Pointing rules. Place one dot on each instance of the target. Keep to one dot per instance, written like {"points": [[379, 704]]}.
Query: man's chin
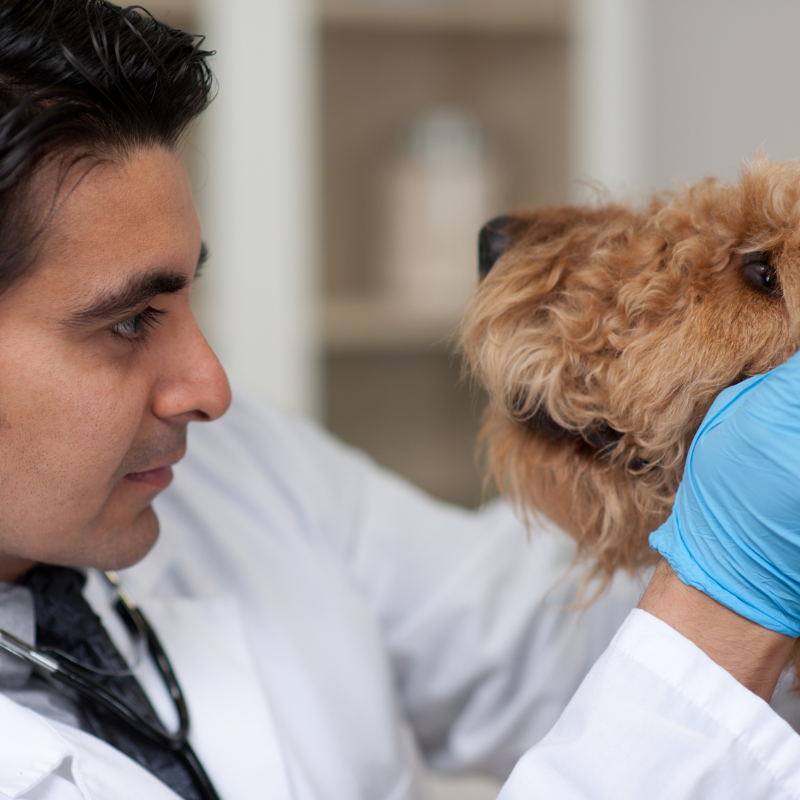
{"points": [[130, 544]]}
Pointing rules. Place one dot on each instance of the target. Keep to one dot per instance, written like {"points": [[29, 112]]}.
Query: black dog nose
{"points": [[493, 240]]}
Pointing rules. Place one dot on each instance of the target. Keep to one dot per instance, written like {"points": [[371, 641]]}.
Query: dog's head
{"points": [[604, 334]]}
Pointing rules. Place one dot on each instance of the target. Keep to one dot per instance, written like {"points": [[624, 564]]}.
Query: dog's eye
{"points": [[760, 274]]}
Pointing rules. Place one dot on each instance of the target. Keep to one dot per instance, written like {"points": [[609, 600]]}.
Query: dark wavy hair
{"points": [[85, 79]]}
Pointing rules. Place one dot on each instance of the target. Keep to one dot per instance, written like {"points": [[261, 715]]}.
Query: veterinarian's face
{"points": [[101, 366]]}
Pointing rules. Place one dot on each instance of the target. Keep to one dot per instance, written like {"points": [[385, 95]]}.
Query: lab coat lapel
{"points": [[39, 755], [30, 749], [232, 728]]}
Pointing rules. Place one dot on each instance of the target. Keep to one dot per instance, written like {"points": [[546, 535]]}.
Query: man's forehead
{"points": [[144, 186], [137, 212], [113, 226]]}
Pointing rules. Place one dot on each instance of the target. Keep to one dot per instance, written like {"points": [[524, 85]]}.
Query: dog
{"points": [[603, 334]]}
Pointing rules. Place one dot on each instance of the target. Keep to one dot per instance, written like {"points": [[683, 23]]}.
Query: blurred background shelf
{"points": [[481, 15], [392, 381], [373, 82], [374, 325], [172, 12]]}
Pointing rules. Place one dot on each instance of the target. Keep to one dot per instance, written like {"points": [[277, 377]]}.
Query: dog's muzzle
{"points": [[600, 439]]}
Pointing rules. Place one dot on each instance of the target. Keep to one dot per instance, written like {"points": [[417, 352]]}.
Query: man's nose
{"points": [[194, 385]]}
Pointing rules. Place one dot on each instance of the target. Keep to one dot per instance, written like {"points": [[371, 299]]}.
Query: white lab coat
{"points": [[332, 628]]}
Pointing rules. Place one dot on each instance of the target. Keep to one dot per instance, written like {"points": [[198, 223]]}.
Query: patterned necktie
{"points": [[64, 620]]}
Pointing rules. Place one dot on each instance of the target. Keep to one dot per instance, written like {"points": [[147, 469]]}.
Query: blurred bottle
{"points": [[442, 182]]}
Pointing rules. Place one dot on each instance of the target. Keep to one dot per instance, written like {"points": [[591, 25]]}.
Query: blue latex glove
{"points": [[734, 531]]}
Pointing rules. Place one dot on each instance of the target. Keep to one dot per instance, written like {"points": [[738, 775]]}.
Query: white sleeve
{"points": [[657, 719], [480, 622]]}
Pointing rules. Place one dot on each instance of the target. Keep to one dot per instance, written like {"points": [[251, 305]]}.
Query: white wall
{"points": [[671, 90], [726, 75], [258, 203]]}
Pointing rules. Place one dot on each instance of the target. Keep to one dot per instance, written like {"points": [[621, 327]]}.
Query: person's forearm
{"points": [[754, 655]]}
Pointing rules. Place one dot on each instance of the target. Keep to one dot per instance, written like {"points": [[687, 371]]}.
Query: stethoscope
{"points": [[60, 668]]}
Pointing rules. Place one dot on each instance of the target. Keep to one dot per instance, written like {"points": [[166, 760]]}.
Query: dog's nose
{"points": [[493, 240]]}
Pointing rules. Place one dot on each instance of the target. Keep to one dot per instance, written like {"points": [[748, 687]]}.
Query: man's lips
{"points": [[158, 478]]}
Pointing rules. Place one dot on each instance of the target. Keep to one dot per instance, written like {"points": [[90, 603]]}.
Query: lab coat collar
{"points": [[30, 749], [33, 749]]}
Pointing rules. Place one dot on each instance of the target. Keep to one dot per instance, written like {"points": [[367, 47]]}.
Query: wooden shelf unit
{"points": [[393, 382]]}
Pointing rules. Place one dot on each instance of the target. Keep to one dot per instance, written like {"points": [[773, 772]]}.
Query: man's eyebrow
{"points": [[138, 291]]}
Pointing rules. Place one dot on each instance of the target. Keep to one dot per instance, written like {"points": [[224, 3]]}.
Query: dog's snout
{"points": [[493, 240]]}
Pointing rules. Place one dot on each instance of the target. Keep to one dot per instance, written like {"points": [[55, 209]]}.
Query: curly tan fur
{"points": [[633, 320]]}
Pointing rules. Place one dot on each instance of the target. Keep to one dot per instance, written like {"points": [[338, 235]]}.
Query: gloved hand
{"points": [[734, 531]]}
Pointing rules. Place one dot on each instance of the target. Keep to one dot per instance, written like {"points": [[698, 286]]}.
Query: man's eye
{"points": [[136, 328]]}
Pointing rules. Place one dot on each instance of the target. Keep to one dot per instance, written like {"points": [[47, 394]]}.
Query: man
{"points": [[330, 627]]}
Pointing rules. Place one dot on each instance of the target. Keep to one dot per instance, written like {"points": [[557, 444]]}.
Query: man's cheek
{"points": [[81, 447], [105, 411]]}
